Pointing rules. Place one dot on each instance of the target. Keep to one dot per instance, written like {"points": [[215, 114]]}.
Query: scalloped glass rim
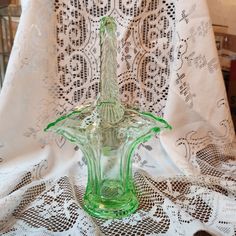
{"points": [[82, 108]]}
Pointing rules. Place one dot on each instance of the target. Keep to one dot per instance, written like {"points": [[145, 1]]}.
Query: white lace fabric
{"points": [[167, 64]]}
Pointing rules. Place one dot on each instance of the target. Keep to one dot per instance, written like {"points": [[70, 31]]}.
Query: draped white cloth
{"points": [[168, 64]]}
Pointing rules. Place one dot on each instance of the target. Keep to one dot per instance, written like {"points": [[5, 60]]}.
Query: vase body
{"points": [[108, 149], [110, 190]]}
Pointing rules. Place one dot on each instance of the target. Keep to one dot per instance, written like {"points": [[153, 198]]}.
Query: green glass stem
{"points": [[108, 133]]}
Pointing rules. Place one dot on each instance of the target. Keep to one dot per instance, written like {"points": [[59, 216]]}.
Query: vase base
{"points": [[117, 206]]}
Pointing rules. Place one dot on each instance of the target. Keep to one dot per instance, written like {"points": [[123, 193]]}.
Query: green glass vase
{"points": [[107, 133]]}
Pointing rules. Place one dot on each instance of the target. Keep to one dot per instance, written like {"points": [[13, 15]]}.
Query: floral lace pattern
{"points": [[145, 50]]}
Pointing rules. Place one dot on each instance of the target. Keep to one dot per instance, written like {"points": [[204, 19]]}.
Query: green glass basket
{"points": [[107, 133]]}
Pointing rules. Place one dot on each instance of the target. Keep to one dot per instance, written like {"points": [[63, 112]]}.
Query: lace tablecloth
{"points": [[168, 65]]}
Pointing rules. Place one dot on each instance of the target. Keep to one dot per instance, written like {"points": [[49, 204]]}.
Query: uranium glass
{"points": [[107, 133]]}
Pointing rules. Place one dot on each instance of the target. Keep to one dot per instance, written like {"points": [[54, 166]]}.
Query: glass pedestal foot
{"points": [[112, 202]]}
